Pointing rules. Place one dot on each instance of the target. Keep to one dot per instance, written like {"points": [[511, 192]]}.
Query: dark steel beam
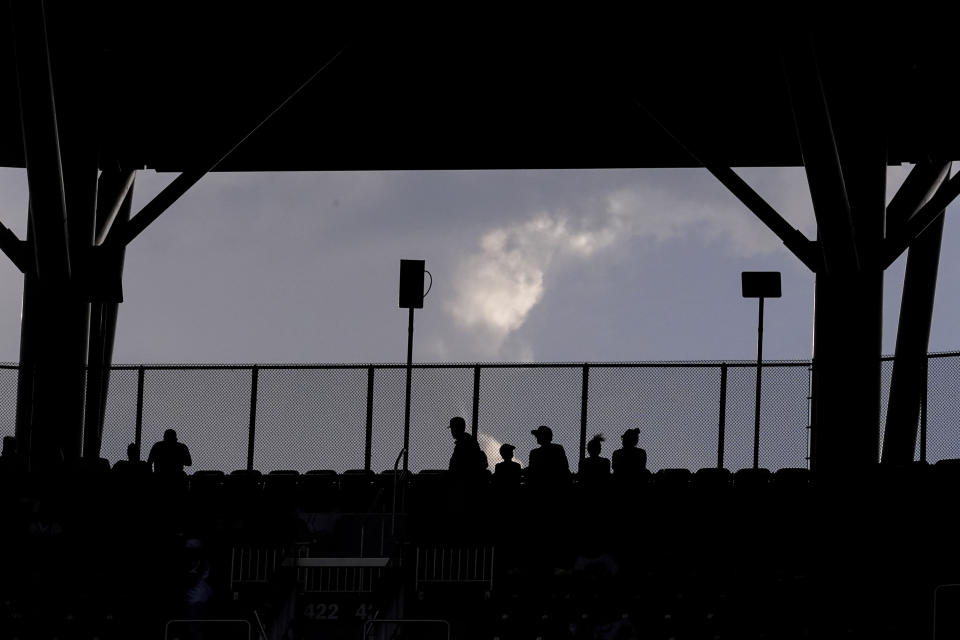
{"points": [[923, 218], [14, 248], [922, 182], [102, 334], [41, 142], [821, 159], [847, 175], [111, 195], [124, 235], [913, 338], [794, 239], [803, 248]]}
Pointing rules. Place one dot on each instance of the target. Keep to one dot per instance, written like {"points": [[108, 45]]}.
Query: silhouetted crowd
{"points": [[167, 458], [548, 465]]}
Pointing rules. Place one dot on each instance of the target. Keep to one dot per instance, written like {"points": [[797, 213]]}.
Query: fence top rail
{"points": [[452, 365], [648, 364]]}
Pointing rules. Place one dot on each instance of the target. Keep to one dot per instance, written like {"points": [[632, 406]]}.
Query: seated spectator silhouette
{"points": [[630, 461], [11, 462], [594, 469], [468, 460], [548, 462], [506, 475], [133, 463], [168, 457]]}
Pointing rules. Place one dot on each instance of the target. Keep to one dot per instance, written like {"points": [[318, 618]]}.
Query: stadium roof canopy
{"points": [[177, 83]]}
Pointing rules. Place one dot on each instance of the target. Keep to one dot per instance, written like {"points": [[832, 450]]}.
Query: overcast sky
{"points": [[527, 265]]}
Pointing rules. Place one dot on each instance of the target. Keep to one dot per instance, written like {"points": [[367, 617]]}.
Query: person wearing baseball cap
{"points": [[548, 462]]}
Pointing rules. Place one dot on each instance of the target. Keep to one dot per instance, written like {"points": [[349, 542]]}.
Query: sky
{"points": [[527, 266], [574, 265]]}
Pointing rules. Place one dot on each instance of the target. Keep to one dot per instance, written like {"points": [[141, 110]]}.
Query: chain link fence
{"points": [[341, 417], [8, 394]]}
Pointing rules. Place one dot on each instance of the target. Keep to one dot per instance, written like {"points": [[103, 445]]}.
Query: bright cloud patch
{"points": [[498, 285]]}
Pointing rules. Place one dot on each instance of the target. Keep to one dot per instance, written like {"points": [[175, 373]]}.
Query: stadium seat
{"points": [[319, 490], [206, 481], [751, 480], [672, 480], [711, 479], [357, 490], [791, 479]]}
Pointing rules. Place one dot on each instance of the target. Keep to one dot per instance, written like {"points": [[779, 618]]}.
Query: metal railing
{"points": [[350, 416]]}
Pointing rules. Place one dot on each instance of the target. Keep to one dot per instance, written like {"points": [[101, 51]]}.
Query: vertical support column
{"points": [[475, 411], [254, 375], [913, 338], [138, 436], [721, 430], [848, 320], [104, 277], [584, 398], [61, 158], [368, 438]]}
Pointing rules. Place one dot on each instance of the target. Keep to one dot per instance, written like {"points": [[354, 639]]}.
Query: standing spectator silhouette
{"points": [[168, 457], [468, 459], [506, 475], [548, 462], [594, 469], [630, 461]]}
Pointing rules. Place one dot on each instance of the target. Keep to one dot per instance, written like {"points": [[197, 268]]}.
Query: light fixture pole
{"points": [[759, 284]]}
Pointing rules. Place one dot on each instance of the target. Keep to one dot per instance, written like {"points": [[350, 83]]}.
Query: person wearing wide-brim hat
{"points": [[548, 462], [630, 461]]}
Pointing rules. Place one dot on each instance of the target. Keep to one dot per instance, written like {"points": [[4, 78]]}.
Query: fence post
{"points": [[367, 444], [138, 435], [723, 414], [584, 396], [255, 372], [923, 409], [476, 400]]}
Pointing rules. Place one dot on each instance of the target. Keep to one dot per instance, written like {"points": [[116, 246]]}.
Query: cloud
{"points": [[499, 283]]}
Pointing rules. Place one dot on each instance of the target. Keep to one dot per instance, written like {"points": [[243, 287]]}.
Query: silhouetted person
{"points": [[11, 462], [630, 461], [133, 463], [468, 459], [594, 469], [506, 474], [548, 462], [168, 457]]}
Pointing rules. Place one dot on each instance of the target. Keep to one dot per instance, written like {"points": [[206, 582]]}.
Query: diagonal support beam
{"points": [[15, 248], [111, 193], [908, 379], [794, 239], [123, 235], [923, 218], [920, 185], [821, 160]]}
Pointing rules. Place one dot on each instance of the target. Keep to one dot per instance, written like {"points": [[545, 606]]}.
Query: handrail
{"points": [[396, 466]]}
